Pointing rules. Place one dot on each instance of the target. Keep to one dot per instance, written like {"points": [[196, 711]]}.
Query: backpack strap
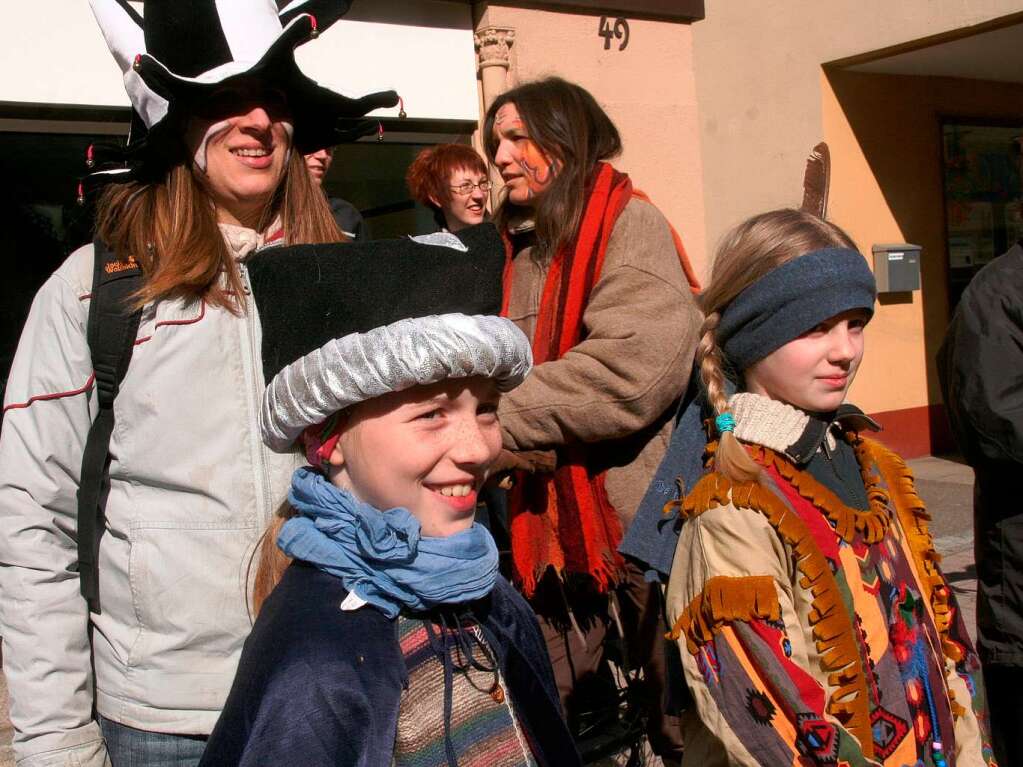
{"points": [[111, 332]]}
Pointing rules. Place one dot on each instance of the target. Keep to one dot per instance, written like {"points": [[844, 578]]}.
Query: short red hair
{"points": [[429, 175]]}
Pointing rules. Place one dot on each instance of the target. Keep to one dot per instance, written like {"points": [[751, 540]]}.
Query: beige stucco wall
{"points": [[758, 85], [648, 90]]}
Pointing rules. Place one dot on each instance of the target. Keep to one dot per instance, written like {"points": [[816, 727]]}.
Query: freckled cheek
{"points": [[494, 443]]}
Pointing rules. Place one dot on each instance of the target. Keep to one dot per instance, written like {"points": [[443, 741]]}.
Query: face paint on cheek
{"points": [[539, 168], [214, 130]]}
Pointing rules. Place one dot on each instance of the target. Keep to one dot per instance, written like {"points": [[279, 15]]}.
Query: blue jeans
{"points": [[129, 747]]}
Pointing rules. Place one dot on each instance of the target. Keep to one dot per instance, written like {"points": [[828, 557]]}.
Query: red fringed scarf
{"points": [[564, 520]]}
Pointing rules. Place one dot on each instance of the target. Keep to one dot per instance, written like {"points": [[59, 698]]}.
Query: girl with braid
{"points": [[814, 624]]}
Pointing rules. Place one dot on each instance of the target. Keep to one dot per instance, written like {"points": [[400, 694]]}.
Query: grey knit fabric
{"points": [[792, 299]]}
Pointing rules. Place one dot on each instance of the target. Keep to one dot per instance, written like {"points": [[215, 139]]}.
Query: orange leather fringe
{"points": [[914, 519], [830, 624], [712, 490], [872, 524], [722, 601]]}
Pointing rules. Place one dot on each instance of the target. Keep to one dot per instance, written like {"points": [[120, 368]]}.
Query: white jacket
{"points": [[191, 489]]}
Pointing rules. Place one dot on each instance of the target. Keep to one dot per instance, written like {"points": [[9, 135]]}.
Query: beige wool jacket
{"points": [[616, 388]]}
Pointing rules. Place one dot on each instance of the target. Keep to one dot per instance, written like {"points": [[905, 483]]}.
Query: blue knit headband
{"points": [[792, 299]]}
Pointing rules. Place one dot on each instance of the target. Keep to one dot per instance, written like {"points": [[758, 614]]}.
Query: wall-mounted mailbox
{"points": [[896, 267]]}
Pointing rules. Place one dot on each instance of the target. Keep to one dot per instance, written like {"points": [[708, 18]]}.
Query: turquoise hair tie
{"points": [[725, 422]]}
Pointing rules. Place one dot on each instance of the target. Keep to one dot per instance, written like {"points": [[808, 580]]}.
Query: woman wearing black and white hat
{"points": [[137, 669]]}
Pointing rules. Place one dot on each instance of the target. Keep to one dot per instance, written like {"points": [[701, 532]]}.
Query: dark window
{"points": [[40, 219], [983, 210]]}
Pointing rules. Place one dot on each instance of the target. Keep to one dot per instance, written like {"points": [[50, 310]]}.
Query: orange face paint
{"points": [[538, 167], [526, 168]]}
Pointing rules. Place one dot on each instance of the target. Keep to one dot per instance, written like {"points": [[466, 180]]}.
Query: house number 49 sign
{"points": [[619, 30]]}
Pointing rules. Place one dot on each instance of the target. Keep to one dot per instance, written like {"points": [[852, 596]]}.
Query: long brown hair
{"points": [[170, 227], [748, 252], [566, 122]]}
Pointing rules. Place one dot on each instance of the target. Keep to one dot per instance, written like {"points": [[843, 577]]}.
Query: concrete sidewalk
{"points": [[946, 486]]}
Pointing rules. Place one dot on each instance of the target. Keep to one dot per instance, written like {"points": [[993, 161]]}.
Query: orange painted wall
{"points": [[758, 84], [885, 138], [648, 89]]}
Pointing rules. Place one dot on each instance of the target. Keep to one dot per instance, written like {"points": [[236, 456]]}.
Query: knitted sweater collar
{"points": [[790, 431]]}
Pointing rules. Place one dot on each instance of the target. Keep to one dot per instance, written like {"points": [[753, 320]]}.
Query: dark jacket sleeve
{"points": [[300, 716], [316, 686], [349, 219], [980, 364], [526, 667]]}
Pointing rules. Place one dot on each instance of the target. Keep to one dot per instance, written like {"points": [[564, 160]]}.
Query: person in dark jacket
{"points": [[347, 217], [980, 365], [390, 639]]}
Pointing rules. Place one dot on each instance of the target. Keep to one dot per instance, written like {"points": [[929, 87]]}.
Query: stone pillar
{"points": [[493, 60], [493, 50]]}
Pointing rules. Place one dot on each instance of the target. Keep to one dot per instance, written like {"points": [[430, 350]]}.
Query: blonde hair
{"points": [[747, 253]]}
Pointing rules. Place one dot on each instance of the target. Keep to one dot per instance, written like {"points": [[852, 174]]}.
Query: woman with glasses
{"points": [[451, 180]]}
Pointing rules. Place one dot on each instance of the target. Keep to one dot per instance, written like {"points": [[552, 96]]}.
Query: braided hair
{"points": [[747, 253]]}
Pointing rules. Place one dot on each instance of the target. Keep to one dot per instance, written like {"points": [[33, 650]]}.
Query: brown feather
{"points": [[816, 181]]}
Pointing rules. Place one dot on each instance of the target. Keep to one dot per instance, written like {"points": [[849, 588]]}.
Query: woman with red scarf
{"points": [[599, 281]]}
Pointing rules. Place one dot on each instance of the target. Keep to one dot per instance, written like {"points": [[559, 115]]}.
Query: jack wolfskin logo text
{"points": [[120, 266]]}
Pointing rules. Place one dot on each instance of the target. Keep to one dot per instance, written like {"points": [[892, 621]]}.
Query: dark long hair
{"points": [[569, 126]]}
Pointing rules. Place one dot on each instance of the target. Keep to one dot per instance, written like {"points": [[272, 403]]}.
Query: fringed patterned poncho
{"points": [[815, 633]]}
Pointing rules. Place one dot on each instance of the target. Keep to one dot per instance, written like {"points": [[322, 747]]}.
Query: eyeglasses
{"points": [[467, 187]]}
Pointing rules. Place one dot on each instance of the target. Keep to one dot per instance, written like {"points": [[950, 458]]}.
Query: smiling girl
{"points": [[814, 623], [389, 638]]}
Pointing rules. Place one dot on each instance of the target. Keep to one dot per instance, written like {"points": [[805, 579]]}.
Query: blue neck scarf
{"points": [[382, 556]]}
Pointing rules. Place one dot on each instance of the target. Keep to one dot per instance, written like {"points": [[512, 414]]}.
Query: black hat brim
{"points": [[321, 117]]}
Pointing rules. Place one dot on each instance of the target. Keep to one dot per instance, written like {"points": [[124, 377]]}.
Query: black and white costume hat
{"points": [[181, 51], [347, 322]]}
